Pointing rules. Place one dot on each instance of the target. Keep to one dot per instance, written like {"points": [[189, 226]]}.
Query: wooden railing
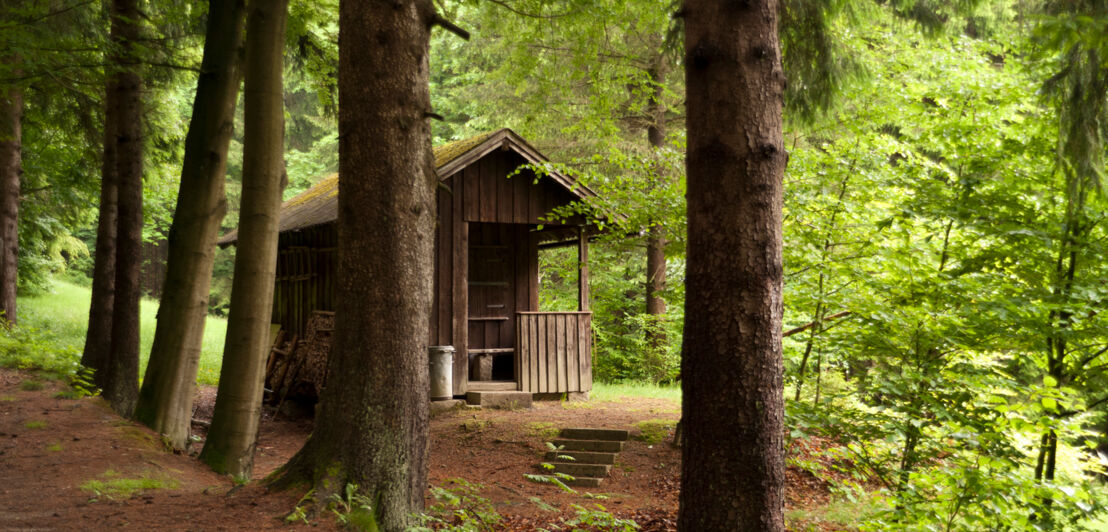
{"points": [[555, 351]]}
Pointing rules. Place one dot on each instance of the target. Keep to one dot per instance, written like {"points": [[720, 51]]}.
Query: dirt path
{"points": [[54, 451]]}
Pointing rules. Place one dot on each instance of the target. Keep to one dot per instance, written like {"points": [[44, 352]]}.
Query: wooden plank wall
{"points": [[555, 351], [305, 276], [490, 197]]}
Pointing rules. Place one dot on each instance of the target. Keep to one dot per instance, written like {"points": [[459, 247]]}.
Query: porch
{"points": [[552, 354]]}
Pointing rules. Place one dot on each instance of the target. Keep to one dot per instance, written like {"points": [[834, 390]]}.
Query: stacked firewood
{"points": [[297, 369]]}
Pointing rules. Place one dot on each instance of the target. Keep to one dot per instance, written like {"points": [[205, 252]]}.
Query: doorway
{"points": [[492, 296]]}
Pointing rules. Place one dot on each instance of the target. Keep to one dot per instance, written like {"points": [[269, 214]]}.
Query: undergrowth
{"points": [[52, 326]]}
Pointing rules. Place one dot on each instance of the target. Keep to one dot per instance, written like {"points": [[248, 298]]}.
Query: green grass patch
{"points": [[35, 424], [543, 429], [54, 447], [7, 399], [52, 330], [653, 431], [621, 391], [836, 515], [111, 486], [30, 386]]}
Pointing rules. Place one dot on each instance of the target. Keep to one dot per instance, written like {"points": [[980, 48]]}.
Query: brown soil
{"points": [[50, 447]]}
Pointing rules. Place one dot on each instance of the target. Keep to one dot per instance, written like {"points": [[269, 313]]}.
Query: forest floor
{"points": [[72, 463]]}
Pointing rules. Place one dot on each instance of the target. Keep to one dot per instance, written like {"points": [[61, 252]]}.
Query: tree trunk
{"points": [[656, 238], [11, 169], [165, 401], [121, 385], [372, 424], [733, 462], [98, 337], [238, 405]]}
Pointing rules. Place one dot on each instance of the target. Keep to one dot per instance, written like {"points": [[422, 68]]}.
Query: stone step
{"points": [[595, 434], [588, 445], [582, 457], [582, 470], [583, 482], [509, 400]]}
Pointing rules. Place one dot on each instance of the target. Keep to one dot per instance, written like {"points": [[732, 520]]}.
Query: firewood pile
{"points": [[297, 369]]}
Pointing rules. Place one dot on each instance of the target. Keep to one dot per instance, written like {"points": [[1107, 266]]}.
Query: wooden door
{"points": [[492, 278]]}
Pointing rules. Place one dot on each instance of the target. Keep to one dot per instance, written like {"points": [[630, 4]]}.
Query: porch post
{"points": [[582, 269]]}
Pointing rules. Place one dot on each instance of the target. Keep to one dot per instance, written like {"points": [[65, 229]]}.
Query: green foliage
{"points": [[353, 509], [28, 348], [459, 507], [300, 511], [37, 424], [598, 518]]}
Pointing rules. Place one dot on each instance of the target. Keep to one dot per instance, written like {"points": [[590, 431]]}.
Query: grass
{"points": [[63, 313], [113, 487], [30, 386], [630, 390], [35, 424], [653, 431], [837, 515]]}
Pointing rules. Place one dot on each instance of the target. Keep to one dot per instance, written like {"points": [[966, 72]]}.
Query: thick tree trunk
{"points": [[656, 238], [121, 384], [234, 430], [11, 170], [165, 401], [733, 462], [98, 337], [372, 424]]}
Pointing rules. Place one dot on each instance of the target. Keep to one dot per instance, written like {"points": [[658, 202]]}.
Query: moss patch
{"points": [[542, 429], [35, 424], [111, 486], [476, 425], [653, 431]]}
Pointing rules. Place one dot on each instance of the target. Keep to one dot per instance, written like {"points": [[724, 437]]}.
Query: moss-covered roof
{"points": [[452, 150], [319, 204]]}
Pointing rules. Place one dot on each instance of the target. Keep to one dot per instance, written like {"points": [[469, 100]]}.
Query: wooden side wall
{"points": [[306, 262], [555, 351]]}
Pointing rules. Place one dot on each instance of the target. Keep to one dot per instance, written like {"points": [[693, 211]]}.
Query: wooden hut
{"points": [[492, 221]]}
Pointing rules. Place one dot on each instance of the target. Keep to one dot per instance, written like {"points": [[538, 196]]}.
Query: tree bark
{"points": [[121, 385], [234, 430], [733, 462], [656, 238], [165, 401], [11, 170], [372, 424], [98, 337]]}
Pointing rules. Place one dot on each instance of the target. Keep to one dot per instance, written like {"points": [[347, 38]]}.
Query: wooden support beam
{"points": [[583, 269]]}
